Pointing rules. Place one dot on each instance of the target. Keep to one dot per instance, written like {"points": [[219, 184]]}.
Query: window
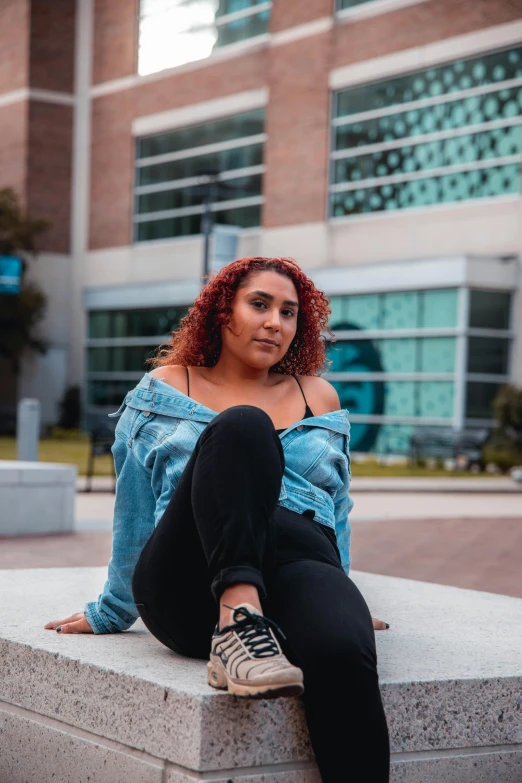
{"points": [[446, 134], [489, 309], [119, 344], [170, 171], [173, 32], [398, 362]]}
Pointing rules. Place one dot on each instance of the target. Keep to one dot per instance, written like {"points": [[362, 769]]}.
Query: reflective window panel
{"points": [[170, 193], [488, 355], [150, 322], [108, 392], [119, 359], [397, 310], [489, 309], [479, 399], [477, 145], [173, 32]]}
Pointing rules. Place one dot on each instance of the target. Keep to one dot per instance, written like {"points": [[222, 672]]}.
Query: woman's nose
{"points": [[272, 320]]}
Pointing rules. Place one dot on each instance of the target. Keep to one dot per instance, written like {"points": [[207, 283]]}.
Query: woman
{"points": [[232, 512]]}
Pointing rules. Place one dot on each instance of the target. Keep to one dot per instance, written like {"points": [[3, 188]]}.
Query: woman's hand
{"points": [[76, 623], [379, 625]]}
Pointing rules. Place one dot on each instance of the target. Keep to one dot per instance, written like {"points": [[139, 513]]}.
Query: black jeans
{"points": [[223, 526]]}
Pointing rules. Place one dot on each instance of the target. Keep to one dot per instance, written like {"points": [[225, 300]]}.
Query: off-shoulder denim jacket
{"points": [[155, 436]]}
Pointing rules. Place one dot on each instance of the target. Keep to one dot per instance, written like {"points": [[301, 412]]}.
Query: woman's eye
{"points": [[289, 313], [259, 304]]}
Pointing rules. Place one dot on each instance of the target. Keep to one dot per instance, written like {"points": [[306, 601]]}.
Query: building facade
{"points": [[378, 142]]}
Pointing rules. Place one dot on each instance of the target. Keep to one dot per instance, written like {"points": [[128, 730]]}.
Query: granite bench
{"points": [[123, 708], [36, 497]]}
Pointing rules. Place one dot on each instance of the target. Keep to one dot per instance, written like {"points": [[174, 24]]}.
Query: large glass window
{"points": [[172, 171], [173, 32], [398, 362], [445, 134], [119, 344], [489, 309]]}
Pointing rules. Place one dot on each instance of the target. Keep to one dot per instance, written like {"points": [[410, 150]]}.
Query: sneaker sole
{"points": [[218, 678]]}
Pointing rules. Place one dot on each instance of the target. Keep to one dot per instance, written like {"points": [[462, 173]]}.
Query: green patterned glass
{"points": [[405, 124], [399, 355], [341, 5], [397, 176], [447, 188], [436, 354], [444, 79], [435, 399], [400, 310], [471, 148], [439, 308]]}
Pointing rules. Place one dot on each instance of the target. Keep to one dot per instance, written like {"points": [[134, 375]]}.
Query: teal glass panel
{"points": [[469, 148], [398, 355], [439, 308], [488, 355], [243, 28], [449, 78], [339, 308], [489, 309], [437, 354], [108, 392], [483, 183], [238, 126], [226, 7], [149, 322], [361, 356], [364, 312], [479, 399], [400, 310], [436, 399], [504, 104], [393, 439], [340, 5], [242, 187], [189, 225], [225, 160], [119, 359], [400, 398]]}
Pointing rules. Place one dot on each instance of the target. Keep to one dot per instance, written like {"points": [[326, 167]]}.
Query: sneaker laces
{"points": [[254, 632]]}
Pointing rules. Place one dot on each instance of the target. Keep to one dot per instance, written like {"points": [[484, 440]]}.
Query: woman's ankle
{"points": [[234, 596]]}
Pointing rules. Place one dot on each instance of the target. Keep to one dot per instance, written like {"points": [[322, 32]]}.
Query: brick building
{"points": [[376, 141]]}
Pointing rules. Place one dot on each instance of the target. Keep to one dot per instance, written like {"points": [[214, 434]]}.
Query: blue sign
{"points": [[10, 275]]}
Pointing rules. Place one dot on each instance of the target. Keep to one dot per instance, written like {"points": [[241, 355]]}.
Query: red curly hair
{"points": [[197, 341]]}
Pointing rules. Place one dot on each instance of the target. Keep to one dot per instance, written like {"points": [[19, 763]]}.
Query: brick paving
{"points": [[480, 554]]}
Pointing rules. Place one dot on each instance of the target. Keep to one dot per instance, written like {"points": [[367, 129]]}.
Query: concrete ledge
{"points": [[122, 707], [36, 497]]}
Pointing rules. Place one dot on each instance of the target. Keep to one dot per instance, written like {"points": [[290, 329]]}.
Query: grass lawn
{"points": [[72, 452], [75, 451]]}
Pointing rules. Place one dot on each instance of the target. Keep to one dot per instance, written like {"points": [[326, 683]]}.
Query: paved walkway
{"points": [[469, 539]]}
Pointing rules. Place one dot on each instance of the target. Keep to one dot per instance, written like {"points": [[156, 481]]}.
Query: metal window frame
{"points": [[204, 149], [218, 206], [189, 182]]}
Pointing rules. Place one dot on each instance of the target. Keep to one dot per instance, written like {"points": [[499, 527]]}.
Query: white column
{"points": [[461, 359], [80, 195]]}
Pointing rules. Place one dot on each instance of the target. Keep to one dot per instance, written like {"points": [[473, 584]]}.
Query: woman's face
{"points": [[264, 319]]}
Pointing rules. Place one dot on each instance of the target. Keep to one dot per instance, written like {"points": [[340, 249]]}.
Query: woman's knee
{"points": [[244, 423]]}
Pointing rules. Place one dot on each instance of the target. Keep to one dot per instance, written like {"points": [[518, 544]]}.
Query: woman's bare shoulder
{"points": [[320, 394], [173, 374]]}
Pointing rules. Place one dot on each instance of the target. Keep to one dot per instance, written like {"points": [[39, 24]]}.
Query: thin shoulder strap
{"points": [[301, 388], [188, 381]]}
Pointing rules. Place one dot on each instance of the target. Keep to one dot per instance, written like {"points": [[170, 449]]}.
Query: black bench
{"points": [[438, 443], [102, 438]]}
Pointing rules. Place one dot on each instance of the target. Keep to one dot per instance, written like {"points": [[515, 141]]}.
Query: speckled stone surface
{"points": [[35, 753], [504, 767], [450, 667]]}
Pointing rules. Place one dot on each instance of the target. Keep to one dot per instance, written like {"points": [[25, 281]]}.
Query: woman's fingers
{"points": [[76, 623], [379, 625]]}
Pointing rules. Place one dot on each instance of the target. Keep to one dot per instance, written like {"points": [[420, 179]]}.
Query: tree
{"points": [[508, 415], [19, 313]]}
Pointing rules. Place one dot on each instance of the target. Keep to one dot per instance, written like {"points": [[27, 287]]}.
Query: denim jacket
{"points": [[154, 438]]}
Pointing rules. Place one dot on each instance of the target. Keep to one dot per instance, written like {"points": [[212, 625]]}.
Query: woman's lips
{"points": [[267, 343]]}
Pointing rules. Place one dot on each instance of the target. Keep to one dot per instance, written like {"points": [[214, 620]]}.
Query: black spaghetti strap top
{"points": [[308, 412]]}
